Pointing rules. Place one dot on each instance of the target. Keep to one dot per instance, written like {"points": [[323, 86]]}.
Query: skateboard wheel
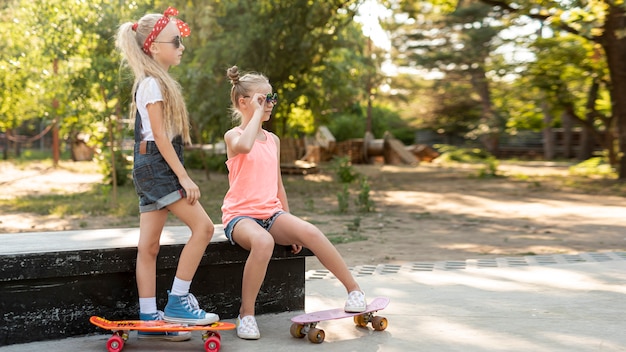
{"points": [[360, 320], [207, 334], [212, 344], [316, 335], [379, 323], [115, 343], [296, 330]]}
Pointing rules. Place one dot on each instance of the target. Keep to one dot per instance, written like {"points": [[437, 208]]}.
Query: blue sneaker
{"points": [[185, 310], [169, 336]]}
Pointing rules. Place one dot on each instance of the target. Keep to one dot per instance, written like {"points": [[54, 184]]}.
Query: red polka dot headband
{"points": [[160, 24]]}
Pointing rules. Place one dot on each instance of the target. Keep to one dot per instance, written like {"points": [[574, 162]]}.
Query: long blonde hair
{"points": [[242, 86], [130, 42]]}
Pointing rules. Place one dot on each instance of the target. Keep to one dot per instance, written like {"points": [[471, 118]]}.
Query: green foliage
{"points": [[123, 167], [63, 52], [343, 199], [310, 50], [385, 119], [596, 166], [345, 127], [343, 169], [352, 234], [459, 154], [459, 47], [347, 237], [199, 160], [95, 202], [490, 169], [355, 226], [351, 124], [363, 202]]}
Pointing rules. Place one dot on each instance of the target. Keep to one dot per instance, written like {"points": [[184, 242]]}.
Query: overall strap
{"points": [[137, 123]]}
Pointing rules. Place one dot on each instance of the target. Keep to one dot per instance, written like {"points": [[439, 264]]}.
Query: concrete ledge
{"points": [[52, 282]]}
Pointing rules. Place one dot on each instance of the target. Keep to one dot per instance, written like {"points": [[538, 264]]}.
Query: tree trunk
{"points": [[587, 136], [586, 145], [491, 140], [566, 119], [5, 149], [548, 134], [614, 45]]}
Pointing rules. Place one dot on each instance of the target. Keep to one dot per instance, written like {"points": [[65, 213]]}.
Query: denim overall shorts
{"points": [[155, 183]]}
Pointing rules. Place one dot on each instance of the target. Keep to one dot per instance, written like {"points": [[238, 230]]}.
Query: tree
{"points": [[19, 96], [59, 63], [311, 51], [572, 79], [600, 22], [459, 44]]}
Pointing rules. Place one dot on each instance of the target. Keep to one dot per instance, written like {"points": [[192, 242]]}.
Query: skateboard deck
{"points": [[306, 324], [121, 329]]}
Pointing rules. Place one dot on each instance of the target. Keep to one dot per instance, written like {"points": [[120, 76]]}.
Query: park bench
{"points": [[52, 282]]}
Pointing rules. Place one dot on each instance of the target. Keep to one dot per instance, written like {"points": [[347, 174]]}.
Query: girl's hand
{"points": [[295, 248], [258, 101], [191, 189]]}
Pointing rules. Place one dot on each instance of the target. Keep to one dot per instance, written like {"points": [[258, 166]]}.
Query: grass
{"points": [[97, 202], [309, 196], [346, 237]]}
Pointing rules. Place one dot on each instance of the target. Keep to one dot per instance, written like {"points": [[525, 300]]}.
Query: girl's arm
{"points": [[242, 143], [155, 113]]}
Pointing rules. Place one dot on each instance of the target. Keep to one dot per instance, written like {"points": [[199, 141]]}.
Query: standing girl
{"points": [[150, 47], [255, 212]]}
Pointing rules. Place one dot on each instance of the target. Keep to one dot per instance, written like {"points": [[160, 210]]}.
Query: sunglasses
{"points": [[177, 41], [269, 98]]}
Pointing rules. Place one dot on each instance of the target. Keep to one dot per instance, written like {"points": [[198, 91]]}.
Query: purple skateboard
{"points": [[305, 324]]}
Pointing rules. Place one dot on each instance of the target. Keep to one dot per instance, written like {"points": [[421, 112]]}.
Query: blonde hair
{"points": [[130, 42], [243, 86]]}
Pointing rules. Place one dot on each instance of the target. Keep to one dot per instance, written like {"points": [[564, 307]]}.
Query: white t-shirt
{"points": [[148, 92]]}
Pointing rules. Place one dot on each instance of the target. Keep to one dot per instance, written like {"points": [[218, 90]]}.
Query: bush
{"points": [[463, 155], [593, 166], [343, 198], [123, 167], [351, 124], [343, 169], [345, 127], [198, 159], [363, 202]]}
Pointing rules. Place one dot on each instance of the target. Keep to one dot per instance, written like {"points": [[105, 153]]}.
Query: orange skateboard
{"points": [[305, 324], [121, 329]]}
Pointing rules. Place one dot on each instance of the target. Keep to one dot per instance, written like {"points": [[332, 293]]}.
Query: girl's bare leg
{"points": [[150, 228], [252, 237], [289, 229], [202, 229]]}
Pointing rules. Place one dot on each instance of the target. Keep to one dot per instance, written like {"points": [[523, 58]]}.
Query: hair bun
{"points": [[233, 75]]}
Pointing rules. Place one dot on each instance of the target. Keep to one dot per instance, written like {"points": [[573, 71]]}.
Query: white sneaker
{"points": [[356, 302], [247, 328]]}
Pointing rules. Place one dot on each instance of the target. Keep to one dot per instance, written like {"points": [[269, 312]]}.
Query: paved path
{"points": [[539, 303]]}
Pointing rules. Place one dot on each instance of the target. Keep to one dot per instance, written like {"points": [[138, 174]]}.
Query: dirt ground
{"points": [[422, 213]]}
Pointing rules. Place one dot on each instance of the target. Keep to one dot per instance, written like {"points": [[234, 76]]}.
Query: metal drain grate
{"points": [[388, 269]]}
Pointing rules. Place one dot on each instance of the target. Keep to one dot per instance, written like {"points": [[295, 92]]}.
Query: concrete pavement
{"points": [[535, 303]]}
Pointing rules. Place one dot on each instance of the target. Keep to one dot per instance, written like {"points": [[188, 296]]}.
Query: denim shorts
{"points": [[155, 182], [266, 224]]}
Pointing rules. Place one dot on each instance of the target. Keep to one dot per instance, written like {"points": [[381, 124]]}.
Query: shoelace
{"points": [[193, 304]]}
